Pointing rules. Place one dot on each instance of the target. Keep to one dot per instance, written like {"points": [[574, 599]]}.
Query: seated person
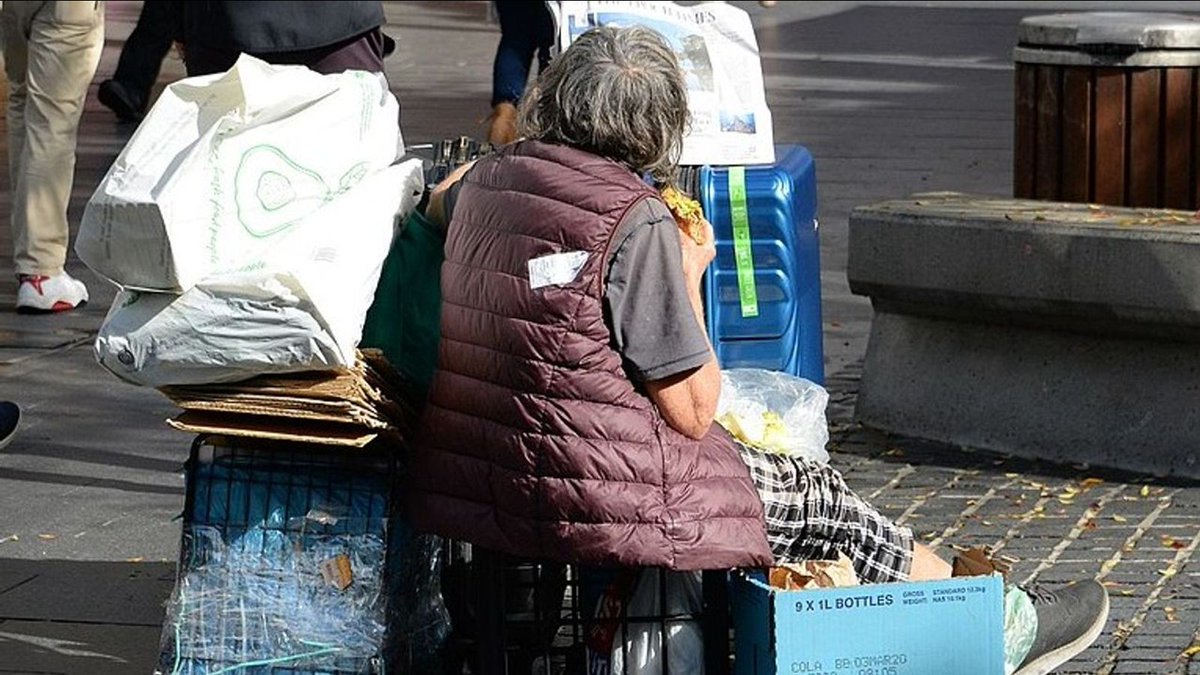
{"points": [[571, 413]]}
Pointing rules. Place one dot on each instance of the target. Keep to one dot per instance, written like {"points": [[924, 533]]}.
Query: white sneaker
{"points": [[60, 293]]}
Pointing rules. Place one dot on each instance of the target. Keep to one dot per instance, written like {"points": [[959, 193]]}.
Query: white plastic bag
{"points": [[302, 310], [642, 644], [226, 166], [258, 324], [775, 412]]}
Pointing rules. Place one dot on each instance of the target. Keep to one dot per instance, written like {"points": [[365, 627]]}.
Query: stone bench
{"points": [[1069, 332]]}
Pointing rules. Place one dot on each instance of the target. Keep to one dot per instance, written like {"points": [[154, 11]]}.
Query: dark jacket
{"points": [[264, 27], [534, 440]]}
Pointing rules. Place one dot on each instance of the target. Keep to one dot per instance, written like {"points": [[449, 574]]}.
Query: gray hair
{"points": [[615, 92]]}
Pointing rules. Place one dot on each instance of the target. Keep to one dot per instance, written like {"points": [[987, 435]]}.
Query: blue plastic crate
{"points": [[781, 205], [261, 522]]}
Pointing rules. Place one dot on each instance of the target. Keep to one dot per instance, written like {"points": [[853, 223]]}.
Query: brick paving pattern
{"points": [[1137, 536]]}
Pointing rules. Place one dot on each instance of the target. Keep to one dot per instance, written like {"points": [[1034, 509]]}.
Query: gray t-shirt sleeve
{"points": [[646, 297]]}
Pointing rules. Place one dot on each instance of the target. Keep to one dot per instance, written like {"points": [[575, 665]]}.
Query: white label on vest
{"points": [[556, 269]]}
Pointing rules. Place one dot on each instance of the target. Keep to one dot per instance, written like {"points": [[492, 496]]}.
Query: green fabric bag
{"points": [[404, 320]]}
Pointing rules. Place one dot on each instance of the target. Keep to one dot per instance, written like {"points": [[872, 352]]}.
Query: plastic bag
{"points": [[290, 597], [213, 334], [639, 638], [404, 319], [226, 167], [1020, 627], [418, 619], [303, 309], [775, 412]]}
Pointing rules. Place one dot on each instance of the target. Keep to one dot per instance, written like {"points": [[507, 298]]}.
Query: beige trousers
{"points": [[51, 49]]}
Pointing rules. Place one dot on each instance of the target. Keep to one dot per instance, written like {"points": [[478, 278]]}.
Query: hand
{"points": [[696, 257]]}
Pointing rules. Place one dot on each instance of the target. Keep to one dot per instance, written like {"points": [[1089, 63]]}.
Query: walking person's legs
{"points": [[51, 53], [128, 92], [526, 29]]}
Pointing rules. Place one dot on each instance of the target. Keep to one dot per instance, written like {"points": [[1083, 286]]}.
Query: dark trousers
{"points": [[361, 52], [142, 55], [525, 28]]}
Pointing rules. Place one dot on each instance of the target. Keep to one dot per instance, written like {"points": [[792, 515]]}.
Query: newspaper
{"points": [[715, 42]]}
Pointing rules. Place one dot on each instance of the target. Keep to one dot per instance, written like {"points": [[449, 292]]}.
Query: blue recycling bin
{"points": [[763, 290]]}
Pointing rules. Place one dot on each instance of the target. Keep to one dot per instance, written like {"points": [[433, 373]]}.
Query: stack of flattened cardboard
{"points": [[347, 408]]}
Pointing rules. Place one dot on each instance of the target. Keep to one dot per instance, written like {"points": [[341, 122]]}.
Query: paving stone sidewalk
{"points": [[1136, 535]]}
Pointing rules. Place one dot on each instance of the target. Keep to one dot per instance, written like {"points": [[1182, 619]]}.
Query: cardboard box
{"points": [[343, 408], [950, 627]]}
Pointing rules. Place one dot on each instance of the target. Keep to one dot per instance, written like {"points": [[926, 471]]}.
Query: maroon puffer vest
{"points": [[534, 440]]}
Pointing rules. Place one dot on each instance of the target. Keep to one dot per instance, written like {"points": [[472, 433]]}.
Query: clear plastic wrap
{"points": [[418, 619], [299, 597], [775, 412], [286, 562]]}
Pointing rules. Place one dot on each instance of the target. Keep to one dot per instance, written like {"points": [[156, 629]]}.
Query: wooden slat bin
{"points": [[1108, 109]]}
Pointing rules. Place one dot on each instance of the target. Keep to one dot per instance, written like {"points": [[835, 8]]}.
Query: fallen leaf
{"points": [[134, 560], [1171, 617], [11, 537], [1171, 542], [894, 452], [1012, 475], [1089, 483], [1120, 518], [1191, 651], [47, 537], [1145, 490]]}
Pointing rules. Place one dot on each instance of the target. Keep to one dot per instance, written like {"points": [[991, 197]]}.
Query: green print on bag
{"points": [[272, 192]]}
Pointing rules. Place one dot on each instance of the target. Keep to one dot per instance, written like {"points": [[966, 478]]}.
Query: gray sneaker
{"points": [[1069, 620], [10, 418]]}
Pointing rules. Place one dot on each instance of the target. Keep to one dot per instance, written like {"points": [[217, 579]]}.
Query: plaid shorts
{"points": [[812, 515]]}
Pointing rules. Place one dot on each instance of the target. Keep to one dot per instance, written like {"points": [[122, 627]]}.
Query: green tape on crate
{"points": [[747, 292]]}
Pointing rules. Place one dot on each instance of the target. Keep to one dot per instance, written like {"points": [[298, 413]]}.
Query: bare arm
{"points": [[688, 401], [435, 210]]}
